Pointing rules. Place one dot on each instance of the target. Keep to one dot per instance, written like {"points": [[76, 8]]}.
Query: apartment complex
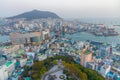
{"points": [[86, 56]]}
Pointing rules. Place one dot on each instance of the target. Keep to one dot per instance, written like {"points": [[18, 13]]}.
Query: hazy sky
{"points": [[64, 8]]}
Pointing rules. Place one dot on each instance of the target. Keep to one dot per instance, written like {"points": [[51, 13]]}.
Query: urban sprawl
{"points": [[40, 39]]}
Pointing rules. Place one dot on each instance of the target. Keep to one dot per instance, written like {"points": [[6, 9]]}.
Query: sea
{"points": [[83, 36]]}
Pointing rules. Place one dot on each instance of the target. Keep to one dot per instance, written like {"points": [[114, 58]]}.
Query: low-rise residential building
{"points": [[105, 69], [7, 69]]}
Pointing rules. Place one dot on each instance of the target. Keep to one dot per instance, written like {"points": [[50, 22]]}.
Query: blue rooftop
{"points": [[96, 43]]}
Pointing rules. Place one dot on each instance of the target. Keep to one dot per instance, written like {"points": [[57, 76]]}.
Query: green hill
{"points": [[35, 14], [71, 68]]}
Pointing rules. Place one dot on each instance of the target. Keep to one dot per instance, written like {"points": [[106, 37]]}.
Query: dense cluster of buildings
{"points": [[104, 61], [23, 26], [55, 25], [90, 54], [27, 38], [32, 40], [21, 53]]}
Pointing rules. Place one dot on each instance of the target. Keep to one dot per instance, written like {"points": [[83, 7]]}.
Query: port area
{"points": [[101, 31]]}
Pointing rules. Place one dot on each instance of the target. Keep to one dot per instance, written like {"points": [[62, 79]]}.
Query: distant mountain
{"points": [[35, 14]]}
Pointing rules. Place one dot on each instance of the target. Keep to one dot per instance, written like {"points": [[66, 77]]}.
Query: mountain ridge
{"points": [[35, 14]]}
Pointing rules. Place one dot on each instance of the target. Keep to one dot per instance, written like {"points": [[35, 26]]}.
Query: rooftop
{"points": [[29, 62], [27, 78], [86, 52], [8, 63]]}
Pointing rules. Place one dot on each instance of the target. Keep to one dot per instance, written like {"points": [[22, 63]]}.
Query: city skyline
{"points": [[63, 8]]}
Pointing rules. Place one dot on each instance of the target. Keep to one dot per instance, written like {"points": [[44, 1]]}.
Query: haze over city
{"points": [[59, 40], [64, 8]]}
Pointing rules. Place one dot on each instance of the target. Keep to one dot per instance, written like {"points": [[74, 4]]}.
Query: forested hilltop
{"points": [[73, 70]]}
